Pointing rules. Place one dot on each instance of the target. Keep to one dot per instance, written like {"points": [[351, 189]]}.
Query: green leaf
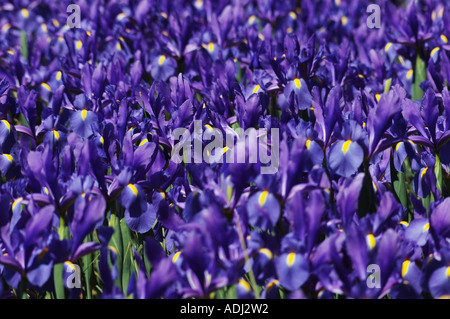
{"points": [[438, 173], [58, 280], [387, 85], [87, 269], [400, 189], [24, 44], [127, 254], [116, 242], [420, 75]]}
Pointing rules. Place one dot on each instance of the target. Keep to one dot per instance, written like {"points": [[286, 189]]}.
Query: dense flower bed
{"points": [[92, 204]]}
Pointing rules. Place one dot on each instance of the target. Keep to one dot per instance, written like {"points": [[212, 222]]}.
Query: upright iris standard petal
{"points": [[89, 212]]}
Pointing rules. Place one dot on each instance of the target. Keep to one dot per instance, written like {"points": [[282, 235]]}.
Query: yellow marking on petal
{"points": [[113, 249], [16, 202], [133, 189], [121, 16], [209, 127], [290, 259], [410, 73], [198, 4], [441, 12], [46, 86], [271, 284], [44, 27], [118, 46], [261, 37], [161, 60], [58, 76], [423, 172], [143, 142], [42, 253], [70, 264], [165, 33], [387, 46], [257, 88], [398, 146], [251, 19], [175, 256], [344, 20], [8, 126], [404, 223], [308, 144], [55, 23], [25, 13], [262, 198], [244, 284], [338, 2], [79, 44], [370, 240], [60, 39], [426, 227], [56, 134], [444, 39], [297, 83], [447, 272], [346, 146], [6, 27], [361, 76], [10, 52], [405, 267], [225, 149], [433, 52], [374, 186], [88, 33], [378, 96], [83, 114], [293, 15], [364, 124], [9, 157], [211, 46], [444, 297], [45, 189], [163, 14], [289, 30], [266, 252]]}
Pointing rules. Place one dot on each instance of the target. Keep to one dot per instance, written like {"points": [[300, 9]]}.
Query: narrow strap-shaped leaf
{"points": [[420, 75], [58, 280]]}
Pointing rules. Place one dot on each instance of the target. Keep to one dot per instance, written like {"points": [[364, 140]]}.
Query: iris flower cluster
{"points": [[92, 206]]}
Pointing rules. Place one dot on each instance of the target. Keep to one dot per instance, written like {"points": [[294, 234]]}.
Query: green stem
{"points": [[246, 257]]}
